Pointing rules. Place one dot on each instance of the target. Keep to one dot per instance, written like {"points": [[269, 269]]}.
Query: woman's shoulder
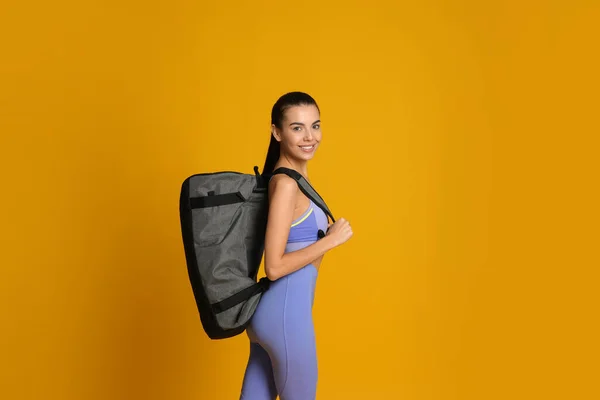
{"points": [[283, 191], [283, 186], [283, 182]]}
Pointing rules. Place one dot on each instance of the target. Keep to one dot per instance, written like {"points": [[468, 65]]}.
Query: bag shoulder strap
{"points": [[306, 188]]}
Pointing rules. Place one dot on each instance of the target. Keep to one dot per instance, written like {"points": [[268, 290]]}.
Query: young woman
{"points": [[283, 355]]}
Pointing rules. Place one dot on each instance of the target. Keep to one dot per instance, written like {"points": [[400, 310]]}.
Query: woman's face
{"points": [[300, 132]]}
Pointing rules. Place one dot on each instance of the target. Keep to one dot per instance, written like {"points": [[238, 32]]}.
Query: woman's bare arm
{"points": [[283, 192]]}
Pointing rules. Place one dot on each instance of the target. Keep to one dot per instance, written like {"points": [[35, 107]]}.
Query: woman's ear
{"points": [[275, 133]]}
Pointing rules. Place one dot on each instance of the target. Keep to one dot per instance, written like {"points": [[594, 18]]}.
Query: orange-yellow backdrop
{"points": [[460, 140]]}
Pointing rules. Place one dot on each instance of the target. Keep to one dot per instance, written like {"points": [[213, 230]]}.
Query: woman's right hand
{"points": [[339, 232]]}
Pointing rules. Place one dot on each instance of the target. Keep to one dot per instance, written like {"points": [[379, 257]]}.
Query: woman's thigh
{"points": [[293, 349]]}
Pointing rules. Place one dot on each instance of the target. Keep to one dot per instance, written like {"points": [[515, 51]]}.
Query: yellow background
{"points": [[460, 140]]}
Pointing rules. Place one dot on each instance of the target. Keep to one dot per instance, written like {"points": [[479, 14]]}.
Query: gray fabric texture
{"points": [[229, 241]]}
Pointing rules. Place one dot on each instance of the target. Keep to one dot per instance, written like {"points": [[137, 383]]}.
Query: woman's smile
{"points": [[308, 149]]}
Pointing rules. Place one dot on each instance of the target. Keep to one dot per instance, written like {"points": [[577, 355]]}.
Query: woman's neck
{"points": [[300, 166]]}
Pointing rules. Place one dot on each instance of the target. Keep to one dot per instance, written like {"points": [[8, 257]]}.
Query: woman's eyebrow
{"points": [[300, 123]]}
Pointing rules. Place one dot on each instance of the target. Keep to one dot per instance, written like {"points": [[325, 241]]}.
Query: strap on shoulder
{"points": [[306, 188]]}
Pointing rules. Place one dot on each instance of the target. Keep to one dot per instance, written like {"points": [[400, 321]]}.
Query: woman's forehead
{"points": [[302, 113]]}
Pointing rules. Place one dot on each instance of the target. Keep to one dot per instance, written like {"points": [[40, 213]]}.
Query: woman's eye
{"points": [[316, 126], [296, 128]]}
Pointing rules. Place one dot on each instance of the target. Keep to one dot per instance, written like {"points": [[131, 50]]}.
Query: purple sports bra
{"points": [[306, 227]]}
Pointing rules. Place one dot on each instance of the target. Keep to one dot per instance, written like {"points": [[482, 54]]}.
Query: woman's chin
{"points": [[307, 155]]}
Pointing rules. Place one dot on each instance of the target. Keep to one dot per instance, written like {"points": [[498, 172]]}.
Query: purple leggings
{"points": [[283, 354]]}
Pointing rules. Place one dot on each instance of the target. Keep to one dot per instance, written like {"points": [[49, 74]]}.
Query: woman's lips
{"points": [[307, 149]]}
